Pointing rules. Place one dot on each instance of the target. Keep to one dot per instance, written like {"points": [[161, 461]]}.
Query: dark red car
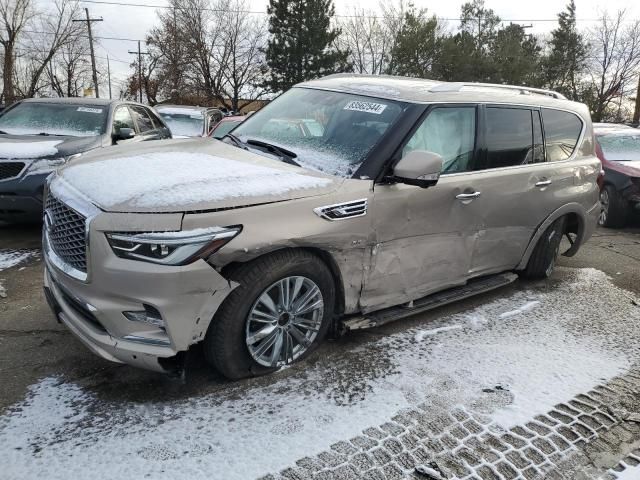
{"points": [[619, 151]]}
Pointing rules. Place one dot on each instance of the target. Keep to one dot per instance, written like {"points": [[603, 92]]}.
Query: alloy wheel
{"points": [[284, 321]]}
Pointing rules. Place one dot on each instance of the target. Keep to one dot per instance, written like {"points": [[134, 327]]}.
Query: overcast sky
{"points": [[134, 22]]}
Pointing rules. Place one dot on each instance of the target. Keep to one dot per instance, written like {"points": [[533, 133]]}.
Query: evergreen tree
{"points": [[567, 58], [301, 45], [515, 56], [416, 49]]}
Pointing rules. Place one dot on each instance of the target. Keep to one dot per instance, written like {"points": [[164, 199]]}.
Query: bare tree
{"points": [[240, 57], [615, 62], [70, 69], [368, 40], [14, 15]]}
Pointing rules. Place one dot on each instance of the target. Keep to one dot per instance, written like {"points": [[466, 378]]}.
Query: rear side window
{"points": [[509, 137], [449, 132], [142, 118], [562, 130]]}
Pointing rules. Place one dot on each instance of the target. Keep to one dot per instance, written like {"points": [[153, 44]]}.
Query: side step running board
{"points": [[473, 287]]}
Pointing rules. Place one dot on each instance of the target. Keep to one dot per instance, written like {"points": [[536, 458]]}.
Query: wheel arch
{"points": [[577, 219], [325, 256]]}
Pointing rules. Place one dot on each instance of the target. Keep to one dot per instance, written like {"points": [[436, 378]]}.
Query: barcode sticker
{"points": [[368, 107], [89, 110]]}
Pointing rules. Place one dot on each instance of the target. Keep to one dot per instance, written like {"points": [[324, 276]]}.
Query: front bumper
{"points": [[186, 297], [21, 198]]}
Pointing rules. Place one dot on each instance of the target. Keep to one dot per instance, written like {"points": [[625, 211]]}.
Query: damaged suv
{"points": [[401, 195]]}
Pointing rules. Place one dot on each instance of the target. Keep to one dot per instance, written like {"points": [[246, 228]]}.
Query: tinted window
{"points": [[509, 137], [33, 118], [142, 118], [449, 132], [122, 119], [561, 130]]}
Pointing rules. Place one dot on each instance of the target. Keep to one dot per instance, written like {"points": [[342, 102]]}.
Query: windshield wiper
{"points": [[2, 132], [235, 140], [287, 156]]}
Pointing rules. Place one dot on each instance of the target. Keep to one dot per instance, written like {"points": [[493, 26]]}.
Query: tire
{"points": [[543, 259], [615, 209], [227, 342]]}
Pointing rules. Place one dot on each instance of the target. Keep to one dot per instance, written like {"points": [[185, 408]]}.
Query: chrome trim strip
{"points": [[352, 209], [147, 341]]}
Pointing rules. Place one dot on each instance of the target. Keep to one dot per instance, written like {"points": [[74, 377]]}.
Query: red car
{"points": [[619, 151], [225, 125]]}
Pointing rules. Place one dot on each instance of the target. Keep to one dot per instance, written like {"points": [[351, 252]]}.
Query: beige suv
{"points": [[346, 203]]}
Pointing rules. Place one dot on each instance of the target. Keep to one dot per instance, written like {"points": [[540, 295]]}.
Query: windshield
{"points": [[185, 122], [330, 132], [620, 147], [32, 118], [225, 127]]}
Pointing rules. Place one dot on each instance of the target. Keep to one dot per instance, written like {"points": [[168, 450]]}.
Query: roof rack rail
{"points": [[457, 86]]}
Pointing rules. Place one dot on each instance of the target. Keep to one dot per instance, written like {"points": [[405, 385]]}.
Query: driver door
{"points": [[424, 238]]}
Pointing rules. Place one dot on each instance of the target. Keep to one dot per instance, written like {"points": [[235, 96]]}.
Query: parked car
{"points": [[225, 125], [416, 194], [619, 151], [187, 121], [39, 135]]}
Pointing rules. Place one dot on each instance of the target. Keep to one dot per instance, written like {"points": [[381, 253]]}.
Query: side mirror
{"points": [[418, 167], [124, 133]]}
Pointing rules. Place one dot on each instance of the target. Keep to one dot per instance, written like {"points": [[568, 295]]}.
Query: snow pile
{"points": [[19, 150], [538, 358], [175, 179], [11, 258]]}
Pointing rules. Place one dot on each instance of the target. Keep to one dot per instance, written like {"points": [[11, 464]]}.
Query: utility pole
{"points": [[93, 57], [109, 75], [139, 53]]}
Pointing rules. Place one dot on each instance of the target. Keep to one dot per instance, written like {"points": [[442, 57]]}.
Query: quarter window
{"points": [[509, 137], [450, 132], [142, 119], [562, 130]]}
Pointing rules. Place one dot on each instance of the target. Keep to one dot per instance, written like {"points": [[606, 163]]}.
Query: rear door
{"points": [[519, 188]]}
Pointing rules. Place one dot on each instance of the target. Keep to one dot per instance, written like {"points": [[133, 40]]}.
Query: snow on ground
{"points": [[523, 308], [11, 258], [422, 334], [193, 178], [18, 150], [537, 358]]}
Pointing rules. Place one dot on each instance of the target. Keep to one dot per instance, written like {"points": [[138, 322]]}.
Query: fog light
{"points": [[149, 315]]}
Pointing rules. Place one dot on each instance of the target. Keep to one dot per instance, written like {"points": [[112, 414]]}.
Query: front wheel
{"points": [[614, 209], [278, 314]]}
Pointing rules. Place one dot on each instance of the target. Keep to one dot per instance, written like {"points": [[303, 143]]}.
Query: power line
{"points": [[260, 12]]}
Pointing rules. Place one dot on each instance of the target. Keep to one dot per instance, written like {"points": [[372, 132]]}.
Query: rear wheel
{"points": [[544, 256], [278, 314], [614, 209]]}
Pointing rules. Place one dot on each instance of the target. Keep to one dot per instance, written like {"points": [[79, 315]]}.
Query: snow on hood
{"points": [[188, 178], [28, 149]]}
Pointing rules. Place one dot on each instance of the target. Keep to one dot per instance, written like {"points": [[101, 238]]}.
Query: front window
{"points": [[327, 131], [183, 122], [33, 118], [620, 147]]}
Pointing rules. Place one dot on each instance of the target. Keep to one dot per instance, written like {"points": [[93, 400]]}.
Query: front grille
{"points": [[66, 232], [10, 169]]}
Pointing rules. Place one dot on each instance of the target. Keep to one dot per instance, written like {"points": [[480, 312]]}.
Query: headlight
{"points": [[48, 165], [171, 248]]}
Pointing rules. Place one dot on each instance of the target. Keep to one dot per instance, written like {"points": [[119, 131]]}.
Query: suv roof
{"points": [[424, 91], [74, 100]]}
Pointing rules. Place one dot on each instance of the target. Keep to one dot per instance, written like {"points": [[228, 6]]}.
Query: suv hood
{"points": [[185, 176], [31, 147]]}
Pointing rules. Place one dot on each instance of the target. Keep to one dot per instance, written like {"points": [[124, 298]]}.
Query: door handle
{"points": [[468, 196], [543, 183]]}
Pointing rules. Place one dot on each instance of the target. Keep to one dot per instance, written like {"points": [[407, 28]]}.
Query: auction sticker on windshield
{"points": [[368, 107], [89, 110]]}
